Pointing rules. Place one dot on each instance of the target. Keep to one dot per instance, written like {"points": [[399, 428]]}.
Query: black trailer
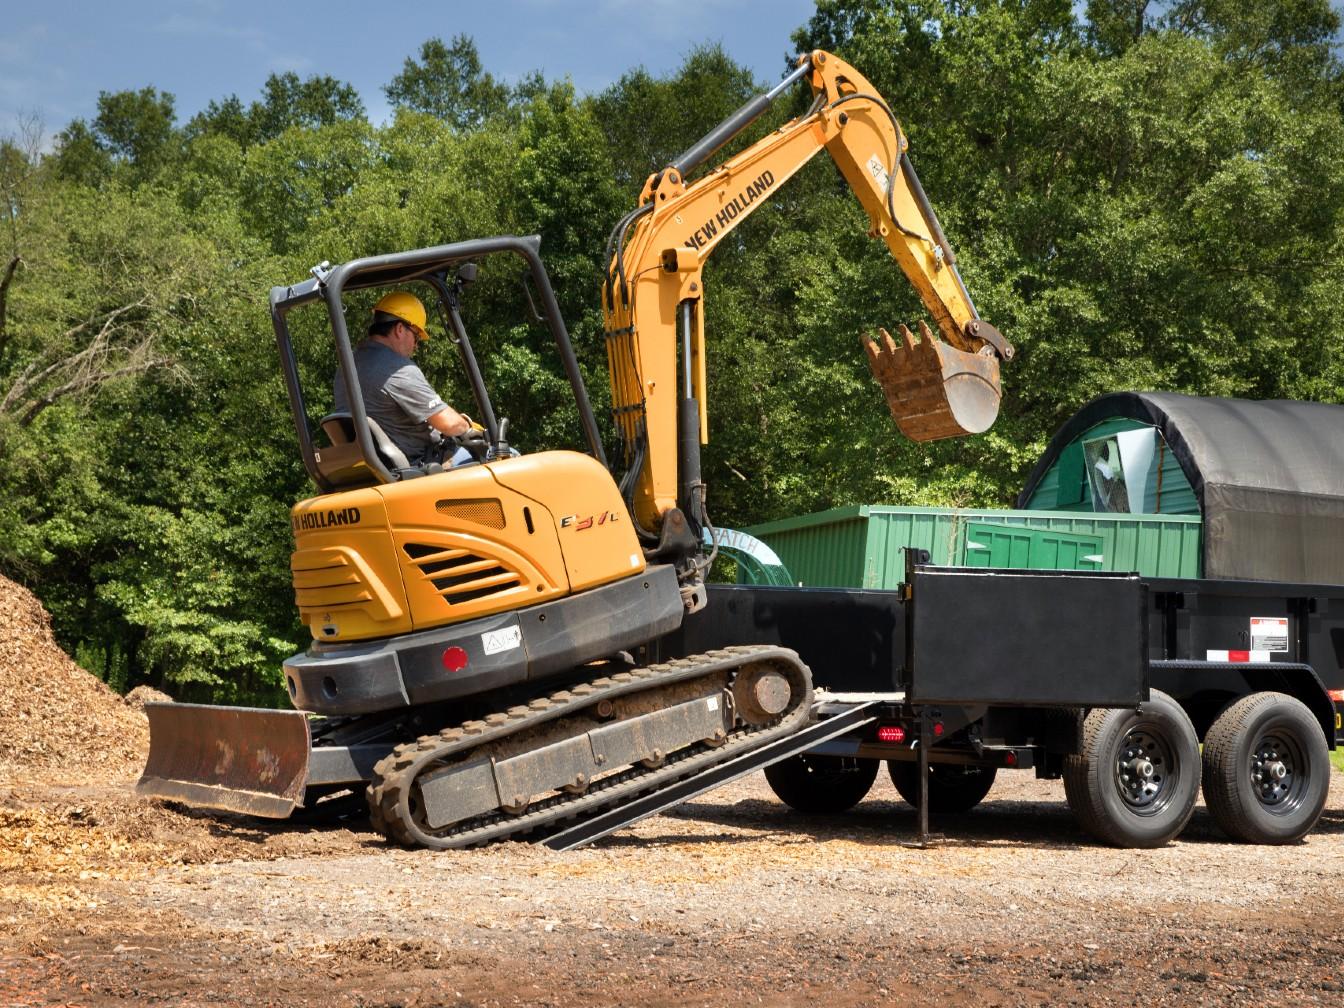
{"points": [[1102, 680]]}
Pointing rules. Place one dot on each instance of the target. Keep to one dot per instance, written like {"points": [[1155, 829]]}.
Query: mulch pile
{"points": [[56, 718]]}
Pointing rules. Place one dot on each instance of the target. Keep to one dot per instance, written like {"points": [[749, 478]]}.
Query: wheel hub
{"points": [[1140, 770], [1272, 773]]}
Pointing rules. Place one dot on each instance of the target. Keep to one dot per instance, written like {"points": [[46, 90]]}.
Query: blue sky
{"points": [[55, 56]]}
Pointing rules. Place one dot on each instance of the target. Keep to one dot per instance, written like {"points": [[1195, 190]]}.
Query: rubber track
{"points": [[394, 775]]}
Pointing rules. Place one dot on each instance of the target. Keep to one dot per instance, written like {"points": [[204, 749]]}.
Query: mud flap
{"points": [[240, 759], [933, 389]]}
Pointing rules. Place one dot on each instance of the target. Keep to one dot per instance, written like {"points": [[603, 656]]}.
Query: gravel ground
{"points": [[105, 899]]}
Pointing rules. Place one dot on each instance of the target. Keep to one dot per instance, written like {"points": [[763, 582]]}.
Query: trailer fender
{"points": [[1205, 689]]}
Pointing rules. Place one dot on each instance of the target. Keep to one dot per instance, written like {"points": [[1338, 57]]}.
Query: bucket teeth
{"points": [[934, 390]]}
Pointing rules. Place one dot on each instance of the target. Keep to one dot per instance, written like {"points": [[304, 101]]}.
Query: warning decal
{"points": [[1269, 633], [879, 172], [495, 641]]}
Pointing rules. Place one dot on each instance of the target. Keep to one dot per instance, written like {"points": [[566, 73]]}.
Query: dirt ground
{"points": [[107, 899]]}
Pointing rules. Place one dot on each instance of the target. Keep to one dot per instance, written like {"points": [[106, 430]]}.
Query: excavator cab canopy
{"points": [[366, 454]]}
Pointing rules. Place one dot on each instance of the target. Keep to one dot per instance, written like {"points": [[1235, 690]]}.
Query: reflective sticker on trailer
{"points": [[1236, 656]]}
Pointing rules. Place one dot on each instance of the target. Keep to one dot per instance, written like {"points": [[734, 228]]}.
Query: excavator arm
{"points": [[654, 290]]}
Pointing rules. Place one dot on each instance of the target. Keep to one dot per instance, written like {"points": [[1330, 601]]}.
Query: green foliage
{"points": [[1141, 195], [286, 102], [706, 89], [449, 84], [133, 134]]}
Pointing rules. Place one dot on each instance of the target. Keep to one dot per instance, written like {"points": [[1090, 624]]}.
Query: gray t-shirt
{"points": [[396, 396]]}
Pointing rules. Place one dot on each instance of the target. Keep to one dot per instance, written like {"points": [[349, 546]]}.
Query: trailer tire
{"points": [[1136, 780], [821, 785], [1266, 769], [952, 788]]}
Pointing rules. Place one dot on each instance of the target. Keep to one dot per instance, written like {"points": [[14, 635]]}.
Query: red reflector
{"points": [[1337, 695], [937, 728], [1010, 758], [454, 659], [891, 733]]}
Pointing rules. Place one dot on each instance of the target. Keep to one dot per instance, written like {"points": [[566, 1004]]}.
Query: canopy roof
{"points": [[1269, 477]]}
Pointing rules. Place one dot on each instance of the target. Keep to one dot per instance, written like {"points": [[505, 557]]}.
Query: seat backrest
{"points": [[343, 463]]}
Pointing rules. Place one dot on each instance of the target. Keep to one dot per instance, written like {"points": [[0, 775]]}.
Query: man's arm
{"points": [[449, 422]]}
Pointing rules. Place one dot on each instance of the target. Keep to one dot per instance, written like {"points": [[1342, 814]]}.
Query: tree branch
{"points": [[86, 382], [98, 350]]}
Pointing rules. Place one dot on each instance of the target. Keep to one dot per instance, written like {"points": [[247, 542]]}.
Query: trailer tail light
{"points": [[454, 659], [1337, 695], [891, 733], [1010, 758]]}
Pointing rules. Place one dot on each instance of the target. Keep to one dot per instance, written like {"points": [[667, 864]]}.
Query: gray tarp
{"points": [[1269, 477]]}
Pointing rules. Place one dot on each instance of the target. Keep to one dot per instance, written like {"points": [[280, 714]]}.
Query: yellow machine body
{"points": [[469, 542]]}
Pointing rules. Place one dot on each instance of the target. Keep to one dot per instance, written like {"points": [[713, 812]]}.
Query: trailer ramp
{"points": [[585, 830]]}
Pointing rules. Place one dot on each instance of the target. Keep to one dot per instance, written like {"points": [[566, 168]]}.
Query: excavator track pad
{"points": [[239, 759], [933, 389]]}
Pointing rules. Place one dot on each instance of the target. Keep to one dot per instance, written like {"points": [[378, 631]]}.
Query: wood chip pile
{"points": [[56, 718]]}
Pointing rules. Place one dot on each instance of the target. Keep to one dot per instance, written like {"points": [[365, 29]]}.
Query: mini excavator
{"points": [[472, 671]]}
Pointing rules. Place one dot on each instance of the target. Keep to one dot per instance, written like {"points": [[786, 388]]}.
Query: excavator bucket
{"points": [[933, 389], [240, 759]]}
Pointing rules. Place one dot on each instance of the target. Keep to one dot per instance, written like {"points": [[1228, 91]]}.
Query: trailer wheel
{"points": [[1266, 769], [952, 788], [820, 785], [1135, 782]]}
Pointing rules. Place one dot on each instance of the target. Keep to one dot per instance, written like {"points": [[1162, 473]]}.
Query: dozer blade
{"points": [[933, 389], [240, 759]]}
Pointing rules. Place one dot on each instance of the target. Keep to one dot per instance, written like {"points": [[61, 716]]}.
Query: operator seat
{"points": [[343, 464]]}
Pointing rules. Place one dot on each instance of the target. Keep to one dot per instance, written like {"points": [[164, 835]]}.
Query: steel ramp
{"points": [[586, 829]]}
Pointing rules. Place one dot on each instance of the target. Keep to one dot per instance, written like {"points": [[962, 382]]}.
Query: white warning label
{"points": [[1269, 633], [879, 172], [496, 641]]}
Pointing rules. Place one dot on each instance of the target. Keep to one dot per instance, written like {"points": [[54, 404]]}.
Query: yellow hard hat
{"points": [[404, 306]]}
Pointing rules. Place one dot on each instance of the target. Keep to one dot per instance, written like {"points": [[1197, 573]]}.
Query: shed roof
{"points": [[1269, 477]]}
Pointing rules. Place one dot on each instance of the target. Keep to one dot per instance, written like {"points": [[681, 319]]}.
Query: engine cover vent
{"points": [[461, 576], [481, 511]]}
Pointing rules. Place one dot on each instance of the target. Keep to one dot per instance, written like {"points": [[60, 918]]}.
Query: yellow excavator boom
{"points": [[935, 388]]}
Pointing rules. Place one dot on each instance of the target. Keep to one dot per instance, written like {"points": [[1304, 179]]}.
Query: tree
{"points": [[288, 183], [448, 83], [286, 102], [315, 102], [133, 130], [20, 188], [648, 121]]}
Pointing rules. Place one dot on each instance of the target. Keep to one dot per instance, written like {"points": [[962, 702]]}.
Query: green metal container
{"points": [[861, 546]]}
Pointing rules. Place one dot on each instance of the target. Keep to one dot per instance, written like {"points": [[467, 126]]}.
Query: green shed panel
{"points": [[862, 546], [990, 545]]}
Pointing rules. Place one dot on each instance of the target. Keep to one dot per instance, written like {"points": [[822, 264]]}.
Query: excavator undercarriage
{"points": [[578, 751]]}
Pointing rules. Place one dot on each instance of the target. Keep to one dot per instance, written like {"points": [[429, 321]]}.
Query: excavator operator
{"points": [[397, 396]]}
